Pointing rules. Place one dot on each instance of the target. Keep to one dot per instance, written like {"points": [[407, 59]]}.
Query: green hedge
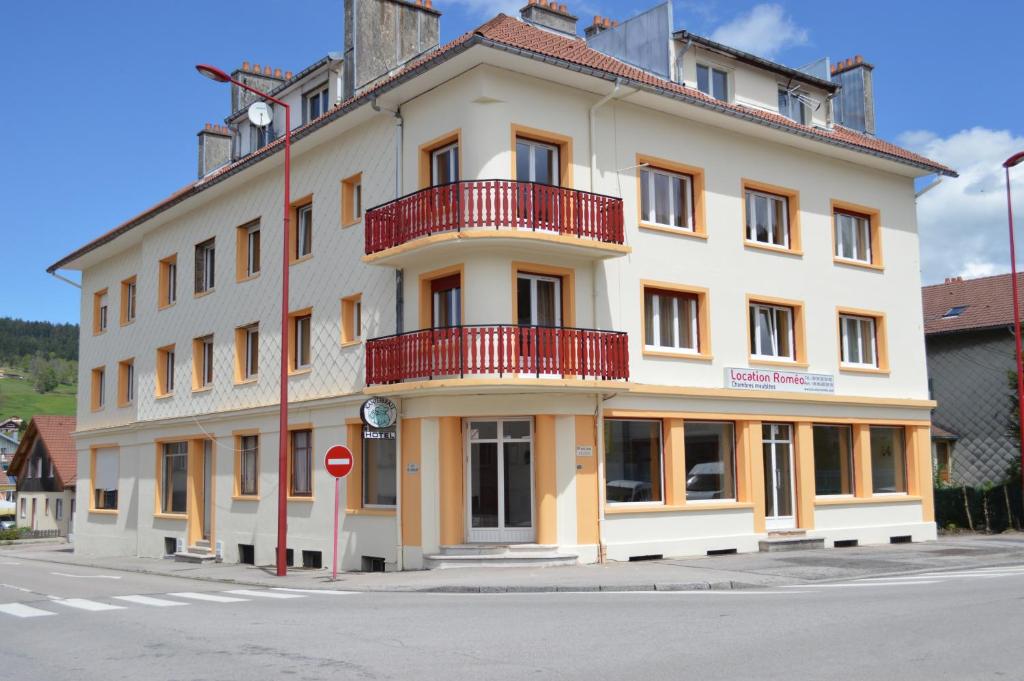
{"points": [[13, 533], [950, 510]]}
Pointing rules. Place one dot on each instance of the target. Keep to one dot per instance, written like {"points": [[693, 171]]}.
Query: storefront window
{"points": [[710, 460], [833, 460], [888, 461], [632, 452], [379, 461]]}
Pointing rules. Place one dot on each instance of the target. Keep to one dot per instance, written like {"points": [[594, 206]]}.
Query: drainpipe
{"points": [[599, 442]]}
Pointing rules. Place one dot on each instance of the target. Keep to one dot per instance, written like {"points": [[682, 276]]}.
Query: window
{"points": [[444, 165], [446, 301], [23, 507], [888, 461], [174, 477], [670, 320], [943, 459], [165, 371], [352, 319], [248, 465], [247, 353], [58, 507], [46, 506], [99, 396], [379, 468], [125, 382], [317, 103], [955, 311], [792, 105], [202, 363], [300, 347], [301, 463], [833, 460], [713, 82], [772, 332], [537, 162], [260, 136], [767, 219], [168, 281], [303, 235], [352, 200], [99, 312], [632, 460], [853, 237], [247, 251], [858, 344], [666, 198], [205, 266], [128, 300], [710, 460], [105, 472]]}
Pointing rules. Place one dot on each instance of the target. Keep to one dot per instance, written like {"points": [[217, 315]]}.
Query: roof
{"points": [[6, 480], [290, 82], [754, 60], [511, 35], [987, 303], [940, 433], [55, 434]]}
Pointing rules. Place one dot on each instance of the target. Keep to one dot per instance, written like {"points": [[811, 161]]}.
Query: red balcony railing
{"points": [[494, 203], [500, 349]]}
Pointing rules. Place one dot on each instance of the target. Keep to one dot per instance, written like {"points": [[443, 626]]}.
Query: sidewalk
{"points": [[711, 572]]}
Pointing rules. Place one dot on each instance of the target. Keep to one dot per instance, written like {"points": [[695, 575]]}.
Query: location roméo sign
{"points": [[339, 461]]}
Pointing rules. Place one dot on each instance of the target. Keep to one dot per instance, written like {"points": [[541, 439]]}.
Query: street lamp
{"points": [[215, 74], [1007, 164]]}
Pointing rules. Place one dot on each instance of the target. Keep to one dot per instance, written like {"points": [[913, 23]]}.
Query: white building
{"points": [[622, 311]]}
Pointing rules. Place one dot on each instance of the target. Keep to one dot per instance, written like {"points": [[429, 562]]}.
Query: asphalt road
{"points": [[62, 622]]}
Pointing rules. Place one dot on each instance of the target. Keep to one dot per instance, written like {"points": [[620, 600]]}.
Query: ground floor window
{"points": [[23, 508], [58, 509], [104, 482], [249, 471], [302, 463], [888, 460], [710, 460], [943, 460], [632, 450], [833, 460], [175, 477], [379, 467]]}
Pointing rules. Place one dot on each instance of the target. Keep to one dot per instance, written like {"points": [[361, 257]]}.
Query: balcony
{"points": [[498, 350], [483, 210]]}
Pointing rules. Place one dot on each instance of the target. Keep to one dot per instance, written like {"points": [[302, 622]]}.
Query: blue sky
{"points": [[103, 105]]}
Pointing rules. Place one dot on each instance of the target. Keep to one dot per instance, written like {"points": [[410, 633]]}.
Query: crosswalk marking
{"points": [[149, 600], [203, 596], [22, 610], [85, 604], [262, 594]]}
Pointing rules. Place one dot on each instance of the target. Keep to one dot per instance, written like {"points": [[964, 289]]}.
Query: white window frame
{"points": [[58, 509], [711, 81], [250, 367], [304, 231], [101, 397], [751, 197], [556, 170], [647, 186], [172, 283], [243, 452], [851, 333], [252, 265], [206, 362], [322, 98], [207, 252], [357, 319], [300, 338], [103, 312], [757, 352], [857, 224], [453, 162], [654, 323], [129, 377], [169, 371], [129, 291]]}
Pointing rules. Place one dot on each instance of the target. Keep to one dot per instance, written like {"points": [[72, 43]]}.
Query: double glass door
{"points": [[777, 439], [500, 481]]}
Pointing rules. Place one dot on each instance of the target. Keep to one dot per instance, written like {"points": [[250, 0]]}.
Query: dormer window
{"points": [[713, 82], [793, 107], [955, 311], [316, 103]]}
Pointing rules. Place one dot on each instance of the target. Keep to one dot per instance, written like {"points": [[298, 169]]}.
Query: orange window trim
{"points": [[428, 148], [697, 186], [792, 197]]}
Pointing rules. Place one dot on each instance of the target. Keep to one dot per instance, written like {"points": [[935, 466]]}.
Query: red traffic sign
{"points": [[339, 461]]}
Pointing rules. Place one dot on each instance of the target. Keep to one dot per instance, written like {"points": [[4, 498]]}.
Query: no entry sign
{"points": [[339, 461]]}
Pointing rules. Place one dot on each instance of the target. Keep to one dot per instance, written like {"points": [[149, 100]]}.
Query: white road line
{"points": [[85, 604], [22, 610], [213, 598], [849, 584], [261, 594], [65, 574], [8, 562], [313, 591], [149, 600], [16, 588]]}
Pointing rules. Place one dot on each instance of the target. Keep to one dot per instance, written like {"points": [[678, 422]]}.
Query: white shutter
{"points": [[106, 470]]}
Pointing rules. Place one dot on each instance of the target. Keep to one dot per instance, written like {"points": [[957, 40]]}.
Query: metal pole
{"points": [[1016, 324], [282, 452], [334, 563]]}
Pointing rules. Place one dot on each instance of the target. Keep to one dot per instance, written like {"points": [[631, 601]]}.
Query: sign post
{"points": [[338, 461]]}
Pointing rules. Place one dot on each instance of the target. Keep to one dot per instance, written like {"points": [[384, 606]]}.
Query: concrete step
{"points": [[792, 543], [195, 554], [498, 555], [202, 544], [483, 549]]}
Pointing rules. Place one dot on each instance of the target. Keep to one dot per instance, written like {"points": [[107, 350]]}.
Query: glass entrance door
{"points": [[777, 439], [500, 481]]}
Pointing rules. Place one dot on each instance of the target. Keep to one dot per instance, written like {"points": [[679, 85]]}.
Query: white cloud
{"points": [[765, 30], [962, 222]]}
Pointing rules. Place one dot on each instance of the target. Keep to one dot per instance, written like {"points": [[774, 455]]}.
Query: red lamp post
{"points": [[213, 73], [1007, 164]]}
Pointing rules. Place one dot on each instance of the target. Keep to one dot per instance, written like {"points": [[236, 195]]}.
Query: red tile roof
{"points": [[988, 302], [941, 433], [505, 32], [55, 433]]}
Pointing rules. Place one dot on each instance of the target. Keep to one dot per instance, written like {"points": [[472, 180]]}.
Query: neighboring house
{"points": [[616, 310], [10, 427], [45, 466], [968, 325], [8, 443]]}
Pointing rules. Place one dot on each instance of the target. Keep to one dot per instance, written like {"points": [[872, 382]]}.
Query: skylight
{"points": [[955, 311]]}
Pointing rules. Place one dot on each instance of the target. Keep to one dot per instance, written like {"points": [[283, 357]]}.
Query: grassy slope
{"points": [[18, 398]]}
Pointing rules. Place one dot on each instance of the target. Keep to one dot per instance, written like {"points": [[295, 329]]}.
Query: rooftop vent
{"points": [[550, 15], [214, 148], [600, 24]]}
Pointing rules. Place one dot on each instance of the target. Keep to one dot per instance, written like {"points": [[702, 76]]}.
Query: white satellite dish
{"points": [[260, 114]]}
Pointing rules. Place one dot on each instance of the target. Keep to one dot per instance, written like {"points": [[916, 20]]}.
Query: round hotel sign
{"points": [[379, 412]]}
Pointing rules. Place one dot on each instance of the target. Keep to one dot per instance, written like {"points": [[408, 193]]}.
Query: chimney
{"points": [[383, 35], [854, 104], [600, 24], [551, 16], [263, 78], [214, 148]]}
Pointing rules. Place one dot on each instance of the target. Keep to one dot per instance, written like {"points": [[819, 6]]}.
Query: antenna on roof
{"points": [[804, 98]]}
